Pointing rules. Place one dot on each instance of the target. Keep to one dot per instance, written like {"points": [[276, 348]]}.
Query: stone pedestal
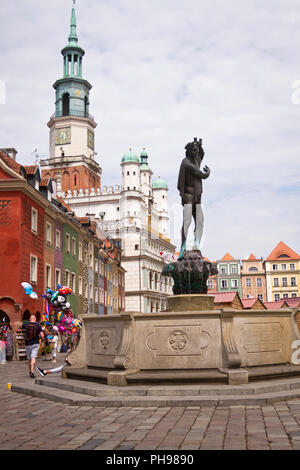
{"points": [[215, 345], [190, 303]]}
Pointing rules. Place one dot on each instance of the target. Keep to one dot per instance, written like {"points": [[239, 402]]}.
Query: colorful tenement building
{"points": [[229, 277], [282, 268], [45, 244], [253, 278], [275, 279]]}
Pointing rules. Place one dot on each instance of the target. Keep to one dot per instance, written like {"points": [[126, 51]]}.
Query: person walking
{"points": [[32, 332]]}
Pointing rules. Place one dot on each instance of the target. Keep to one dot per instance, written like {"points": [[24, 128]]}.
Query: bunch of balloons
{"points": [[57, 309], [57, 305]]}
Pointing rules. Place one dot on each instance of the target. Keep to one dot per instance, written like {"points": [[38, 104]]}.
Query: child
{"points": [[54, 342]]}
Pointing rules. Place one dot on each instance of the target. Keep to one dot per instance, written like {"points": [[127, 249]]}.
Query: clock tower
{"points": [[72, 128]]}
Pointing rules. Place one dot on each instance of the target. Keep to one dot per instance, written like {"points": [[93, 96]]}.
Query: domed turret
{"points": [[146, 174], [130, 156], [159, 184], [160, 199]]}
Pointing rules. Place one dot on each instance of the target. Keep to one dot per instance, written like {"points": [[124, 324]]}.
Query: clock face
{"points": [[91, 140], [77, 92], [63, 136]]}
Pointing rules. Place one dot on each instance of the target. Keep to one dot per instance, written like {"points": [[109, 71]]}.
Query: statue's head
{"points": [[192, 150]]}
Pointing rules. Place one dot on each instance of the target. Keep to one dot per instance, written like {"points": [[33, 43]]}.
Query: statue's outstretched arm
{"points": [[198, 173]]}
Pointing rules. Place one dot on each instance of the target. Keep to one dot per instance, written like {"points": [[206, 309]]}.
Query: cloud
{"points": [[163, 73]]}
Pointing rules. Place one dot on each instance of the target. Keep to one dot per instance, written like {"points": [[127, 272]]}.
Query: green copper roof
{"points": [[73, 39], [144, 161], [130, 156], [159, 184], [145, 167]]}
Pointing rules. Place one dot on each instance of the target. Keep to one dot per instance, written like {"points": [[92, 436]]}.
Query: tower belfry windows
{"points": [[66, 104]]}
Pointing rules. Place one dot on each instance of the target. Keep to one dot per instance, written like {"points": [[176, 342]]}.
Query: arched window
{"points": [[4, 318], [253, 269], [66, 104], [26, 315], [65, 181]]}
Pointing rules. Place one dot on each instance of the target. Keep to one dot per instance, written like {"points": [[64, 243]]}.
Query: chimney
{"points": [[11, 152]]}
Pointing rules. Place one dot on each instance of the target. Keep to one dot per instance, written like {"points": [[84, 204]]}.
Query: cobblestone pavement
{"points": [[23, 421]]}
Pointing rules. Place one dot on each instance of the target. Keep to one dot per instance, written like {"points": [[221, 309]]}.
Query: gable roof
{"points": [[228, 257], [282, 251], [275, 305], [223, 297], [249, 303]]}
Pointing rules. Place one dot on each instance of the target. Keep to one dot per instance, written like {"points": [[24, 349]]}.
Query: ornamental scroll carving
{"points": [[232, 355]]}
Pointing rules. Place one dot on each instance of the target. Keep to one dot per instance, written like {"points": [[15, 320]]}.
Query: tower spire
{"points": [[73, 39]]}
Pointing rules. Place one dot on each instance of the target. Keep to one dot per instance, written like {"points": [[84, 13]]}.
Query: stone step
{"points": [[92, 375], [95, 389], [177, 376], [80, 399]]}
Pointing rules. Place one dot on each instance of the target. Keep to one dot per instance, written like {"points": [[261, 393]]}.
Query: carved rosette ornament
{"points": [[178, 340], [104, 340]]}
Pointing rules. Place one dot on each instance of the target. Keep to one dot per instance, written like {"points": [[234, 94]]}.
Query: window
{"points": [[233, 269], [136, 247], [284, 282], [73, 282], [253, 269], [57, 277], [48, 232], [80, 251], [67, 278], [234, 283], [48, 276], [91, 292], [73, 246], [276, 297], [127, 173], [34, 220], [223, 270], [258, 282], [283, 267], [224, 283], [91, 260], [86, 290], [96, 265], [33, 268], [57, 239], [68, 243], [294, 295], [292, 267], [248, 282], [293, 281], [209, 283], [260, 297], [276, 282], [275, 267], [79, 285], [96, 295], [285, 296]]}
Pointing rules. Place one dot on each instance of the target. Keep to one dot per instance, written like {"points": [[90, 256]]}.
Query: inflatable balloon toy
{"points": [[57, 302], [29, 290]]}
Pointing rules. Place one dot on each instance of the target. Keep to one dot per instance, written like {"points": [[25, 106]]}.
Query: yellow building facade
{"points": [[282, 273]]}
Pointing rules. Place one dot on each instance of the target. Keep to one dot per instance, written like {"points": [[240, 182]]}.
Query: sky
{"points": [[164, 72]]}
